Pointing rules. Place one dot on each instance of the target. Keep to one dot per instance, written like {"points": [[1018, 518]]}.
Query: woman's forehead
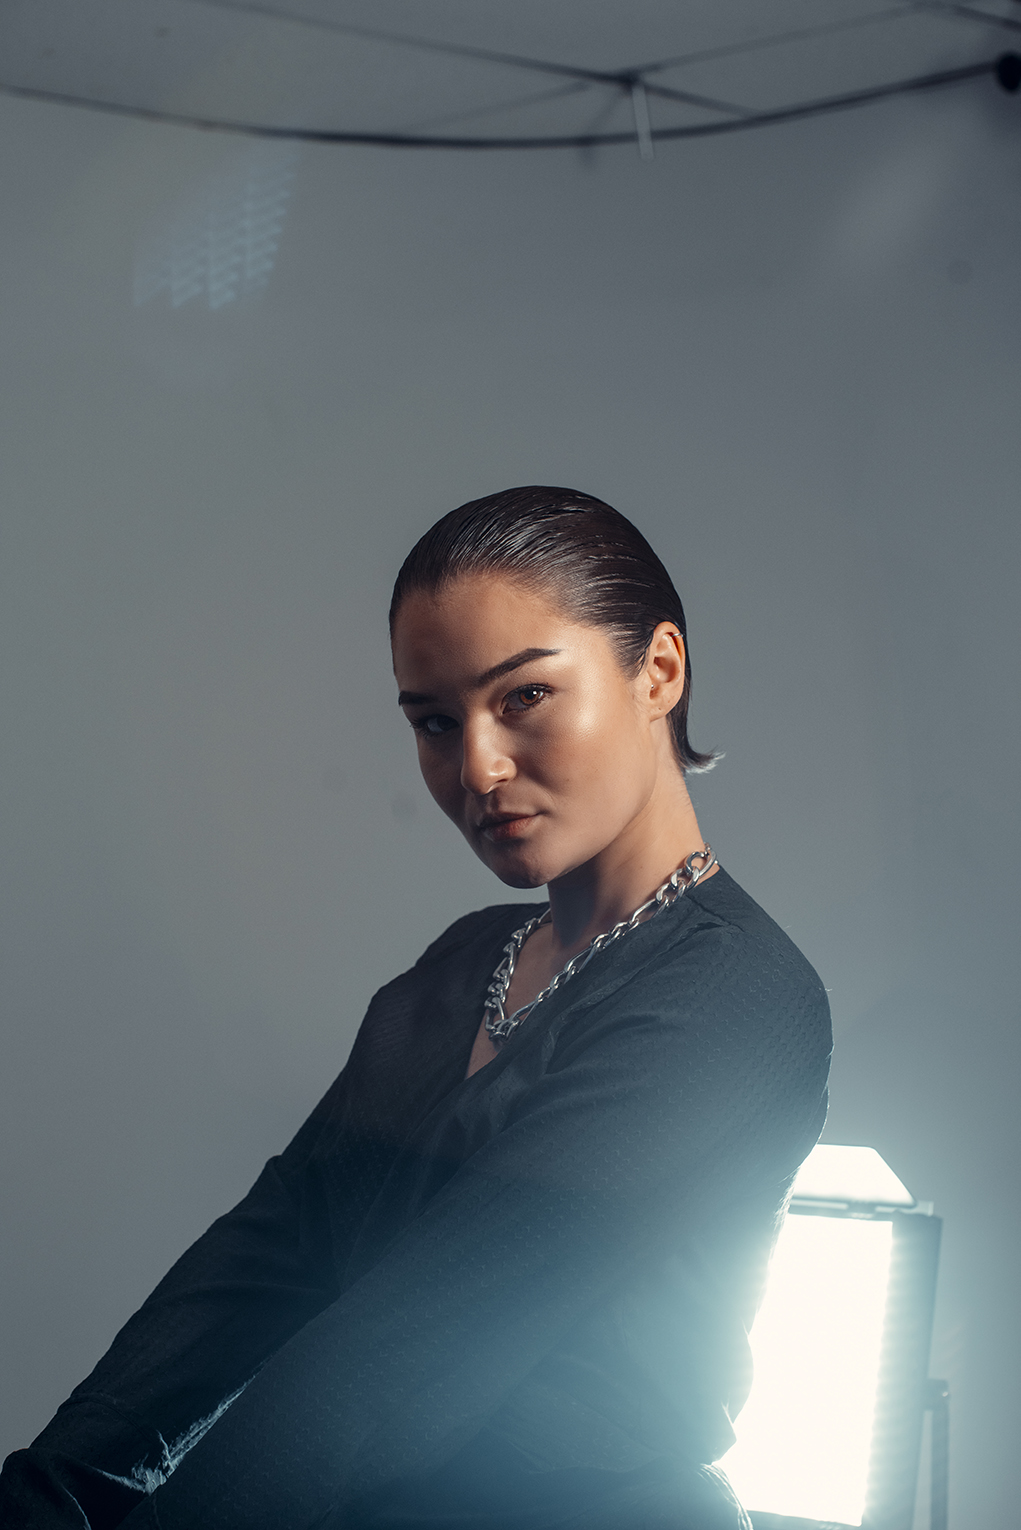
{"points": [[463, 632]]}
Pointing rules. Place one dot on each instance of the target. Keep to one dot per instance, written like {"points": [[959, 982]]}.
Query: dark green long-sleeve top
{"points": [[558, 1257]]}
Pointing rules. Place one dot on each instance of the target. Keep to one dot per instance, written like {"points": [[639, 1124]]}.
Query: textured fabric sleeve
{"points": [[245, 1286], [645, 1115], [253, 1279]]}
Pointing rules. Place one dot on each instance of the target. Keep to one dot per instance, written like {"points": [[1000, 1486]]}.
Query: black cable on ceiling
{"points": [[1002, 68], [261, 8]]}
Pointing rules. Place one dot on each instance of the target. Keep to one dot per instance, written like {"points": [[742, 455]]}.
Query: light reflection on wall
{"points": [[222, 244]]}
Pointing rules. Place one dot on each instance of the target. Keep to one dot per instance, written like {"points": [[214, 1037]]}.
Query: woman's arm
{"points": [[644, 1122], [251, 1281]]}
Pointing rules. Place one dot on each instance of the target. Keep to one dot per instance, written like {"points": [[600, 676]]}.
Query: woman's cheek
{"points": [[574, 735], [441, 777]]}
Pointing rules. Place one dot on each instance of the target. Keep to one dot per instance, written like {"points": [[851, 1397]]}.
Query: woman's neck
{"points": [[596, 896]]}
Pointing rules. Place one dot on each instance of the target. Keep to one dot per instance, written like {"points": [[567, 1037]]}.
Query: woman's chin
{"points": [[514, 867], [517, 877]]}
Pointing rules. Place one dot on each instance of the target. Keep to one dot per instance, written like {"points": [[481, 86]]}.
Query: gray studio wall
{"points": [[791, 357]]}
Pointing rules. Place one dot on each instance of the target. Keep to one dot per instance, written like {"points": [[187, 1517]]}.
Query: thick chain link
{"points": [[499, 1025]]}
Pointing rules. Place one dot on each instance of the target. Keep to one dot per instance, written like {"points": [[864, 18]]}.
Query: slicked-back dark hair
{"points": [[599, 567]]}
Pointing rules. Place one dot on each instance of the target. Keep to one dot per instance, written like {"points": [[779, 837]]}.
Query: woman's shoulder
{"points": [[715, 958], [724, 903], [726, 929]]}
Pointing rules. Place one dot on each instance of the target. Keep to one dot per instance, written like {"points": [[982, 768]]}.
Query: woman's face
{"points": [[530, 736]]}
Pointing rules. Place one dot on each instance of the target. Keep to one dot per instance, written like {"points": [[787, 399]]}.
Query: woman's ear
{"points": [[662, 674]]}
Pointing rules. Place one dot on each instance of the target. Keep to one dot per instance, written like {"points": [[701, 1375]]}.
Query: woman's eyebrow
{"points": [[515, 661], [505, 667]]}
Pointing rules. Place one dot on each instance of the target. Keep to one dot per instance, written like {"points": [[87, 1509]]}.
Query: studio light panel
{"points": [[831, 1432], [805, 1434]]}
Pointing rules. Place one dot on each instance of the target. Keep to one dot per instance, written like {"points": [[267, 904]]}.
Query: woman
{"points": [[502, 1277]]}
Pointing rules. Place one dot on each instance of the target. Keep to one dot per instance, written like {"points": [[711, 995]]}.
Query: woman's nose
{"points": [[484, 764]]}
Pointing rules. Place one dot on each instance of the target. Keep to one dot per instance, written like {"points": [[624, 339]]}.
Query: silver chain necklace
{"points": [[499, 1024]]}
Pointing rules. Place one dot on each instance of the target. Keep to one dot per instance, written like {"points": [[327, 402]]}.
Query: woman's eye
{"points": [[526, 697], [433, 726]]}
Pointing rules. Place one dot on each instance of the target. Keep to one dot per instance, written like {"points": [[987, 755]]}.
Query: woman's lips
{"points": [[504, 828]]}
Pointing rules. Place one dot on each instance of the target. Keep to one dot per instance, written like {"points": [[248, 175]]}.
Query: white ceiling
{"points": [[305, 63]]}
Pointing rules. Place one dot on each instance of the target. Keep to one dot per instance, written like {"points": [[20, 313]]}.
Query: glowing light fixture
{"points": [[850, 1175], [832, 1429]]}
